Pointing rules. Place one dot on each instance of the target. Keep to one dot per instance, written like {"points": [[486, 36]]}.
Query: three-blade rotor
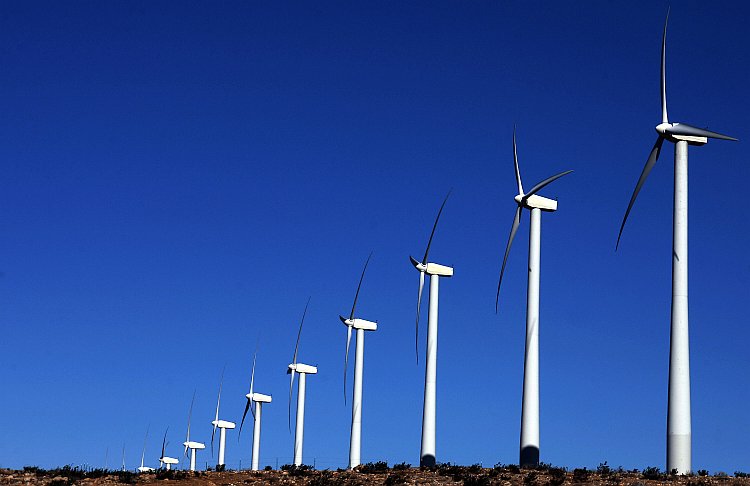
{"points": [[351, 317], [293, 369], [665, 130], [523, 202], [422, 267]]}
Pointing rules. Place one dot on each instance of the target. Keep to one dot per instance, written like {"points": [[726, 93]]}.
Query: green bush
{"points": [[581, 475], [373, 467], [652, 473], [401, 467]]}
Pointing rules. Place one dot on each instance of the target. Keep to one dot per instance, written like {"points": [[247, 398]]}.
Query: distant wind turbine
{"points": [[303, 371], [223, 425], [529, 443], [254, 404], [165, 460], [435, 271], [679, 429], [361, 325], [191, 445], [143, 468]]}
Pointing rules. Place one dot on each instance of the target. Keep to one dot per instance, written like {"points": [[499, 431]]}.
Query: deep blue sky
{"points": [[177, 179]]}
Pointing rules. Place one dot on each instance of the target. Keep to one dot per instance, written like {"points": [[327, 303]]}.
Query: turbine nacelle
{"points": [[359, 324], [223, 424], [536, 201], [667, 130], [145, 469], [168, 460], [432, 268], [259, 397], [302, 368], [193, 445]]}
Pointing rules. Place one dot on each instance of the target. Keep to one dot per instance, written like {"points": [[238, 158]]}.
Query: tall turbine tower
{"points": [[191, 445], [303, 371], [258, 399], [679, 435], [529, 446], [165, 460], [142, 468], [435, 271], [361, 325], [223, 425]]}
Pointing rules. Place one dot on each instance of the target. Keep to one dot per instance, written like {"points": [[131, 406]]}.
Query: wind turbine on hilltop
{"points": [[303, 371], [435, 271], [223, 425], [258, 399], [142, 467], [165, 460], [361, 325], [191, 445], [529, 443], [679, 435]]}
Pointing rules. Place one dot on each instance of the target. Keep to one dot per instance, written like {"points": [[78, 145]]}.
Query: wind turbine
{"points": [[142, 468], [223, 425], [258, 399], [529, 443], [192, 445], [303, 371], [165, 460], [361, 325], [435, 271], [679, 434]]}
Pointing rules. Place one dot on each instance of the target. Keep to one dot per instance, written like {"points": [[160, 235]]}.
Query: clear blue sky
{"points": [[178, 178]]}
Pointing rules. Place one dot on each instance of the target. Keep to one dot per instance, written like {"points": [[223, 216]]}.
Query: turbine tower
{"points": [[258, 399], [435, 271], [142, 468], [679, 435], [191, 445], [303, 371], [361, 325], [223, 425], [529, 443], [165, 460]]}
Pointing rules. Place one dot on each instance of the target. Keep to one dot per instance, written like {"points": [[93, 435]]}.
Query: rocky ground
{"points": [[374, 474]]}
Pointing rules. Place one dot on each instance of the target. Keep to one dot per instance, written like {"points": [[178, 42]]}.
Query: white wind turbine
{"points": [[529, 443], [191, 445], [142, 468], [361, 325], [165, 460], [303, 371], [258, 399], [679, 433], [435, 271], [223, 425]]}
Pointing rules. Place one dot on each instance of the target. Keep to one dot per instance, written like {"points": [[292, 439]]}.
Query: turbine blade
{"points": [[513, 230], [218, 399], [685, 129], [650, 163], [291, 386], [544, 183], [419, 305], [346, 356], [190, 414], [299, 333], [515, 161], [429, 242], [252, 374], [164, 442], [351, 316], [145, 439], [247, 407], [664, 117]]}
